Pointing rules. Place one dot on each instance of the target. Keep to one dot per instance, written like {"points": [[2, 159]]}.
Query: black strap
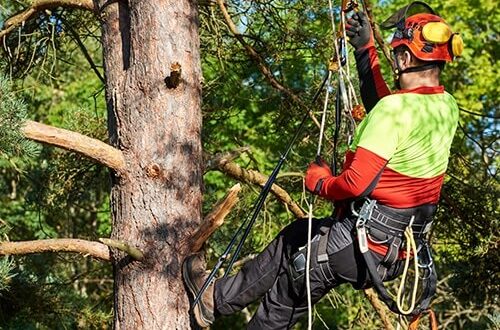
{"points": [[323, 240], [378, 284], [392, 252], [419, 68]]}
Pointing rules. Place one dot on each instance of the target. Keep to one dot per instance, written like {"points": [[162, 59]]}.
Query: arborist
{"points": [[385, 196]]}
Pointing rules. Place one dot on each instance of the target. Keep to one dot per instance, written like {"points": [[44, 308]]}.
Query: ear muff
{"points": [[437, 32], [457, 44]]}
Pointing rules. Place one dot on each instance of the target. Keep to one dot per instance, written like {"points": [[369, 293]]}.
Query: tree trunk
{"points": [[154, 117]]}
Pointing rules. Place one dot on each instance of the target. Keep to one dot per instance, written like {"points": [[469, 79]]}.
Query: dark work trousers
{"points": [[271, 278]]}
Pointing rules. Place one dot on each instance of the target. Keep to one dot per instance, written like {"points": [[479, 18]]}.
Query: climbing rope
{"points": [[311, 202], [345, 90], [411, 248]]}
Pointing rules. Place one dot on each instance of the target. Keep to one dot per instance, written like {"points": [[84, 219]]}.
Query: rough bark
{"points": [[155, 119]]}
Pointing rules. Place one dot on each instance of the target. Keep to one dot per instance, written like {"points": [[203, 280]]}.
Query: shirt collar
{"points": [[423, 90]]}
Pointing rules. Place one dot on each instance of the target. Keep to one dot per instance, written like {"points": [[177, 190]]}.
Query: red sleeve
{"points": [[371, 82], [358, 178]]}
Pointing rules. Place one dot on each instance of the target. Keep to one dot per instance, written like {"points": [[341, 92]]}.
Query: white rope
{"points": [[323, 115], [347, 93], [310, 215]]}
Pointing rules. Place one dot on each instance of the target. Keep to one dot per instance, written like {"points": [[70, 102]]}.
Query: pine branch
{"points": [[97, 150], [83, 247], [377, 34], [261, 64], [84, 50], [250, 176], [13, 113], [41, 5], [379, 308]]}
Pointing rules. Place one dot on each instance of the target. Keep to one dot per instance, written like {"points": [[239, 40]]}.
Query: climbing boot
{"points": [[193, 271]]}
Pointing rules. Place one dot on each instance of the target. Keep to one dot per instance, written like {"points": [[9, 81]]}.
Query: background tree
{"points": [[257, 77]]}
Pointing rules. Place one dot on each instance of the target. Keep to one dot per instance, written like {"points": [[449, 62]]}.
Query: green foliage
{"points": [[54, 193], [13, 113]]}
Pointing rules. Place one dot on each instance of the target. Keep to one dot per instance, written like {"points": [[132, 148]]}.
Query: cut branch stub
{"points": [[174, 79], [132, 251]]}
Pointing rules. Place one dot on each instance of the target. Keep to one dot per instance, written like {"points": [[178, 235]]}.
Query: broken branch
{"points": [[214, 219]]}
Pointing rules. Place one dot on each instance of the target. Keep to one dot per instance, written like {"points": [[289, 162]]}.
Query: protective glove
{"points": [[358, 30], [316, 174]]}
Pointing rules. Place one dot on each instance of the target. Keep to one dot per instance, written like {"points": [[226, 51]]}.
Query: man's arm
{"points": [[357, 180], [372, 84]]}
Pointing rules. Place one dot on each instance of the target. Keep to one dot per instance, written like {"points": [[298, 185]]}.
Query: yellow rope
{"points": [[411, 246]]}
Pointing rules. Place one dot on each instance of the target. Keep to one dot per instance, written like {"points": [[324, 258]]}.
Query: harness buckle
{"points": [[363, 216], [365, 213]]}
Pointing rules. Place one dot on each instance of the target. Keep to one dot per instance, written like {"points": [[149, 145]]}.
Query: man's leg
{"points": [[286, 302], [257, 276]]}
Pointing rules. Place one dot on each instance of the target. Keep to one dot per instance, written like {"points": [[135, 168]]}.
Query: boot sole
{"points": [[200, 311]]}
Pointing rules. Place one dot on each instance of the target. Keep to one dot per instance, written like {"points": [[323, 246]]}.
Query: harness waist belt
{"points": [[386, 222]]}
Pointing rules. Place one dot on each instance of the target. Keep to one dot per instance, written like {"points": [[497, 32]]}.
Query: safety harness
{"points": [[397, 229], [383, 225]]}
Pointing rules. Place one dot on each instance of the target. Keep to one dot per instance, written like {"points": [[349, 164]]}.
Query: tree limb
{"points": [[132, 251], [261, 64], [379, 308], [214, 219], [250, 176], [97, 150], [376, 33], [84, 50], [40, 5], [84, 247]]}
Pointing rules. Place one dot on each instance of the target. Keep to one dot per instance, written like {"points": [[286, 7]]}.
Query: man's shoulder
{"points": [[389, 103]]}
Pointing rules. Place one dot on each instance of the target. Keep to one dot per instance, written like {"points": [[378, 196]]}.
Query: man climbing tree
{"points": [[385, 196]]}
